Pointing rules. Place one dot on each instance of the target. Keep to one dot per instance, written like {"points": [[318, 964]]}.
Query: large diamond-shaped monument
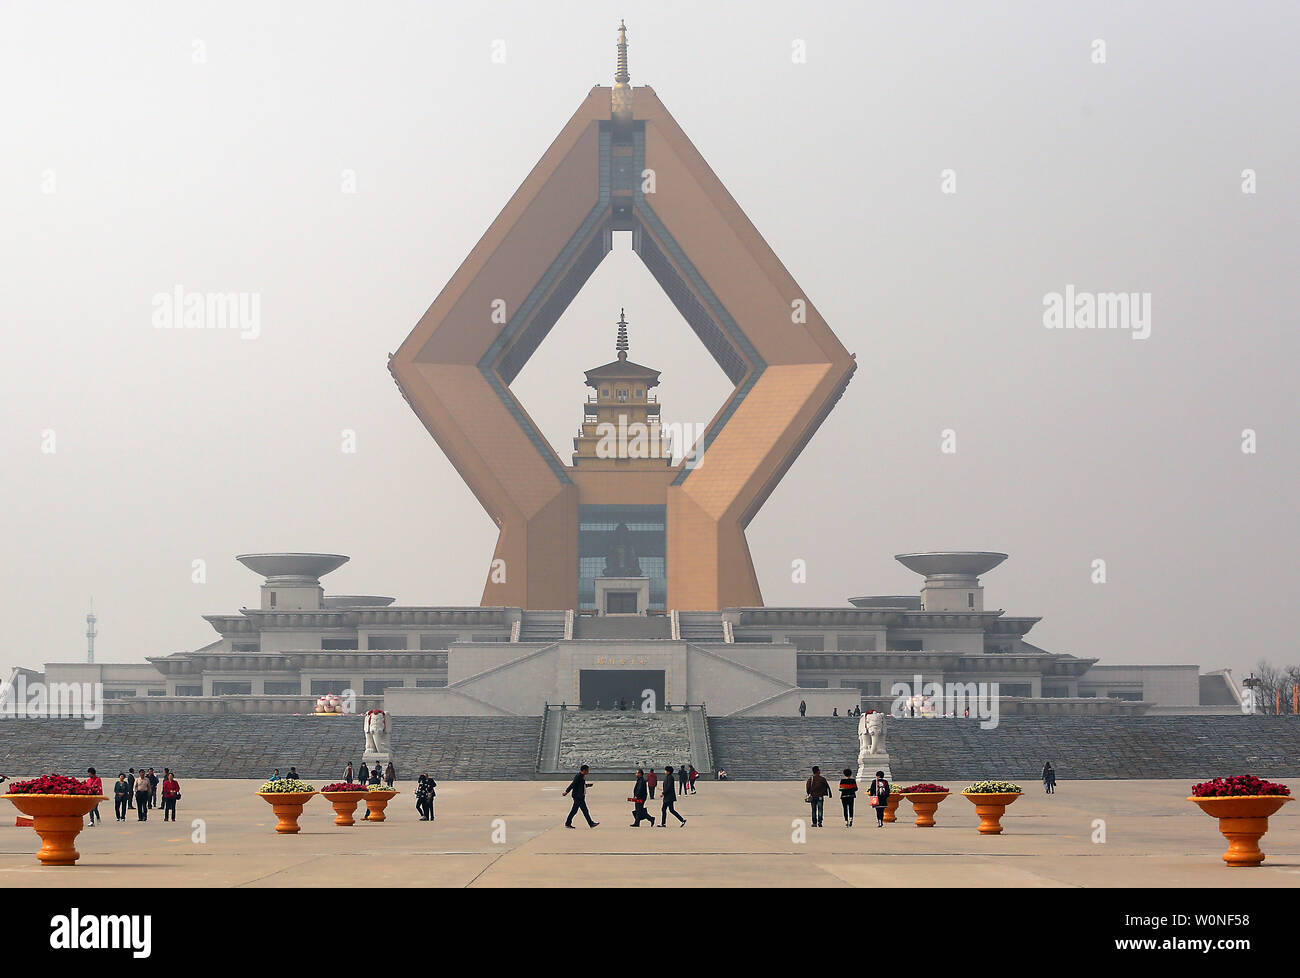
{"points": [[621, 163]]}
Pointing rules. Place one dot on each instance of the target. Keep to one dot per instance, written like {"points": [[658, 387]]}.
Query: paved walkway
{"points": [[738, 834]]}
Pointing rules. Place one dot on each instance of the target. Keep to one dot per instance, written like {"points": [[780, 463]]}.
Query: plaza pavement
{"points": [[738, 834]]}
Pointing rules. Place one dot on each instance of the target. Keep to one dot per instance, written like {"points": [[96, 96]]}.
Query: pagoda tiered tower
{"points": [[620, 424]]}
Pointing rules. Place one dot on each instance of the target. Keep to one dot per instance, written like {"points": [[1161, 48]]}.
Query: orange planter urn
{"points": [[925, 804], [377, 801], [287, 806], [1243, 820], [57, 819], [990, 807], [891, 806], [345, 805]]}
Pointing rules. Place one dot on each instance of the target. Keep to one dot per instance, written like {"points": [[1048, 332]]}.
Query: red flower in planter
{"points": [[345, 786], [1238, 786], [919, 788], [51, 784]]}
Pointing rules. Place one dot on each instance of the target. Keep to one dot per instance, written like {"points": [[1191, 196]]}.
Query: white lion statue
{"points": [[379, 729]]}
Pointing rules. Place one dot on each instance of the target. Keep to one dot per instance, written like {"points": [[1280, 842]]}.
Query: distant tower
{"points": [[620, 424], [91, 632]]}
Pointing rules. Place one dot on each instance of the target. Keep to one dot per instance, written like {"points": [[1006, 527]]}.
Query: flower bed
{"points": [[1242, 785], [52, 784], [925, 787], [284, 786], [345, 786], [993, 788]]}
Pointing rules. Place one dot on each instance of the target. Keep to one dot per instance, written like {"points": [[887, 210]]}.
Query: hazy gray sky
{"points": [[150, 146]]}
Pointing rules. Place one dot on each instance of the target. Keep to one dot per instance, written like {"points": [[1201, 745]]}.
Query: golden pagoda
{"points": [[620, 423]]}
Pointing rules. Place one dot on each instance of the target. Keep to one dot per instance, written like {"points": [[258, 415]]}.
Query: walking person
{"points": [[171, 791], [347, 775], [578, 788], [376, 782], [818, 790], [848, 792], [363, 776], [153, 789], [683, 779], [638, 799], [142, 789], [879, 792], [121, 797], [422, 804], [130, 776], [430, 793], [691, 776], [1049, 778], [97, 788], [651, 780], [669, 796], [390, 774]]}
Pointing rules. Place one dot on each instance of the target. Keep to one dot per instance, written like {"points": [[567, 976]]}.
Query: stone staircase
{"points": [[1080, 748], [782, 748], [542, 626], [701, 626], [748, 748], [234, 746]]}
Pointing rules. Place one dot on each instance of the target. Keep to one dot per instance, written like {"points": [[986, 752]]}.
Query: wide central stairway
{"points": [[618, 742]]}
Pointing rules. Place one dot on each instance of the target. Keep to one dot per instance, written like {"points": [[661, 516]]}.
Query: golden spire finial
{"points": [[621, 344], [621, 77], [620, 99]]}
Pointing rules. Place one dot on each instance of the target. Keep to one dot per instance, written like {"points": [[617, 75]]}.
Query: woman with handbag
{"points": [[171, 792], [879, 792]]}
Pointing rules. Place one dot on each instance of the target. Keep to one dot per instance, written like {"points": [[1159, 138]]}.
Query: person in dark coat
{"points": [[121, 797], [639, 795], [848, 792], [578, 788], [347, 775], [880, 790], [363, 776], [424, 795], [1049, 778], [669, 796], [390, 774], [818, 791]]}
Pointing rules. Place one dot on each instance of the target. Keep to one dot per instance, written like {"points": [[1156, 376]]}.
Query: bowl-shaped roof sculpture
{"points": [[959, 564], [289, 568]]}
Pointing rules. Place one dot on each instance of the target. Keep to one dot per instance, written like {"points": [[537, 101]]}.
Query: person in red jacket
{"points": [[693, 775], [171, 792], [651, 780], [97, 787]]}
